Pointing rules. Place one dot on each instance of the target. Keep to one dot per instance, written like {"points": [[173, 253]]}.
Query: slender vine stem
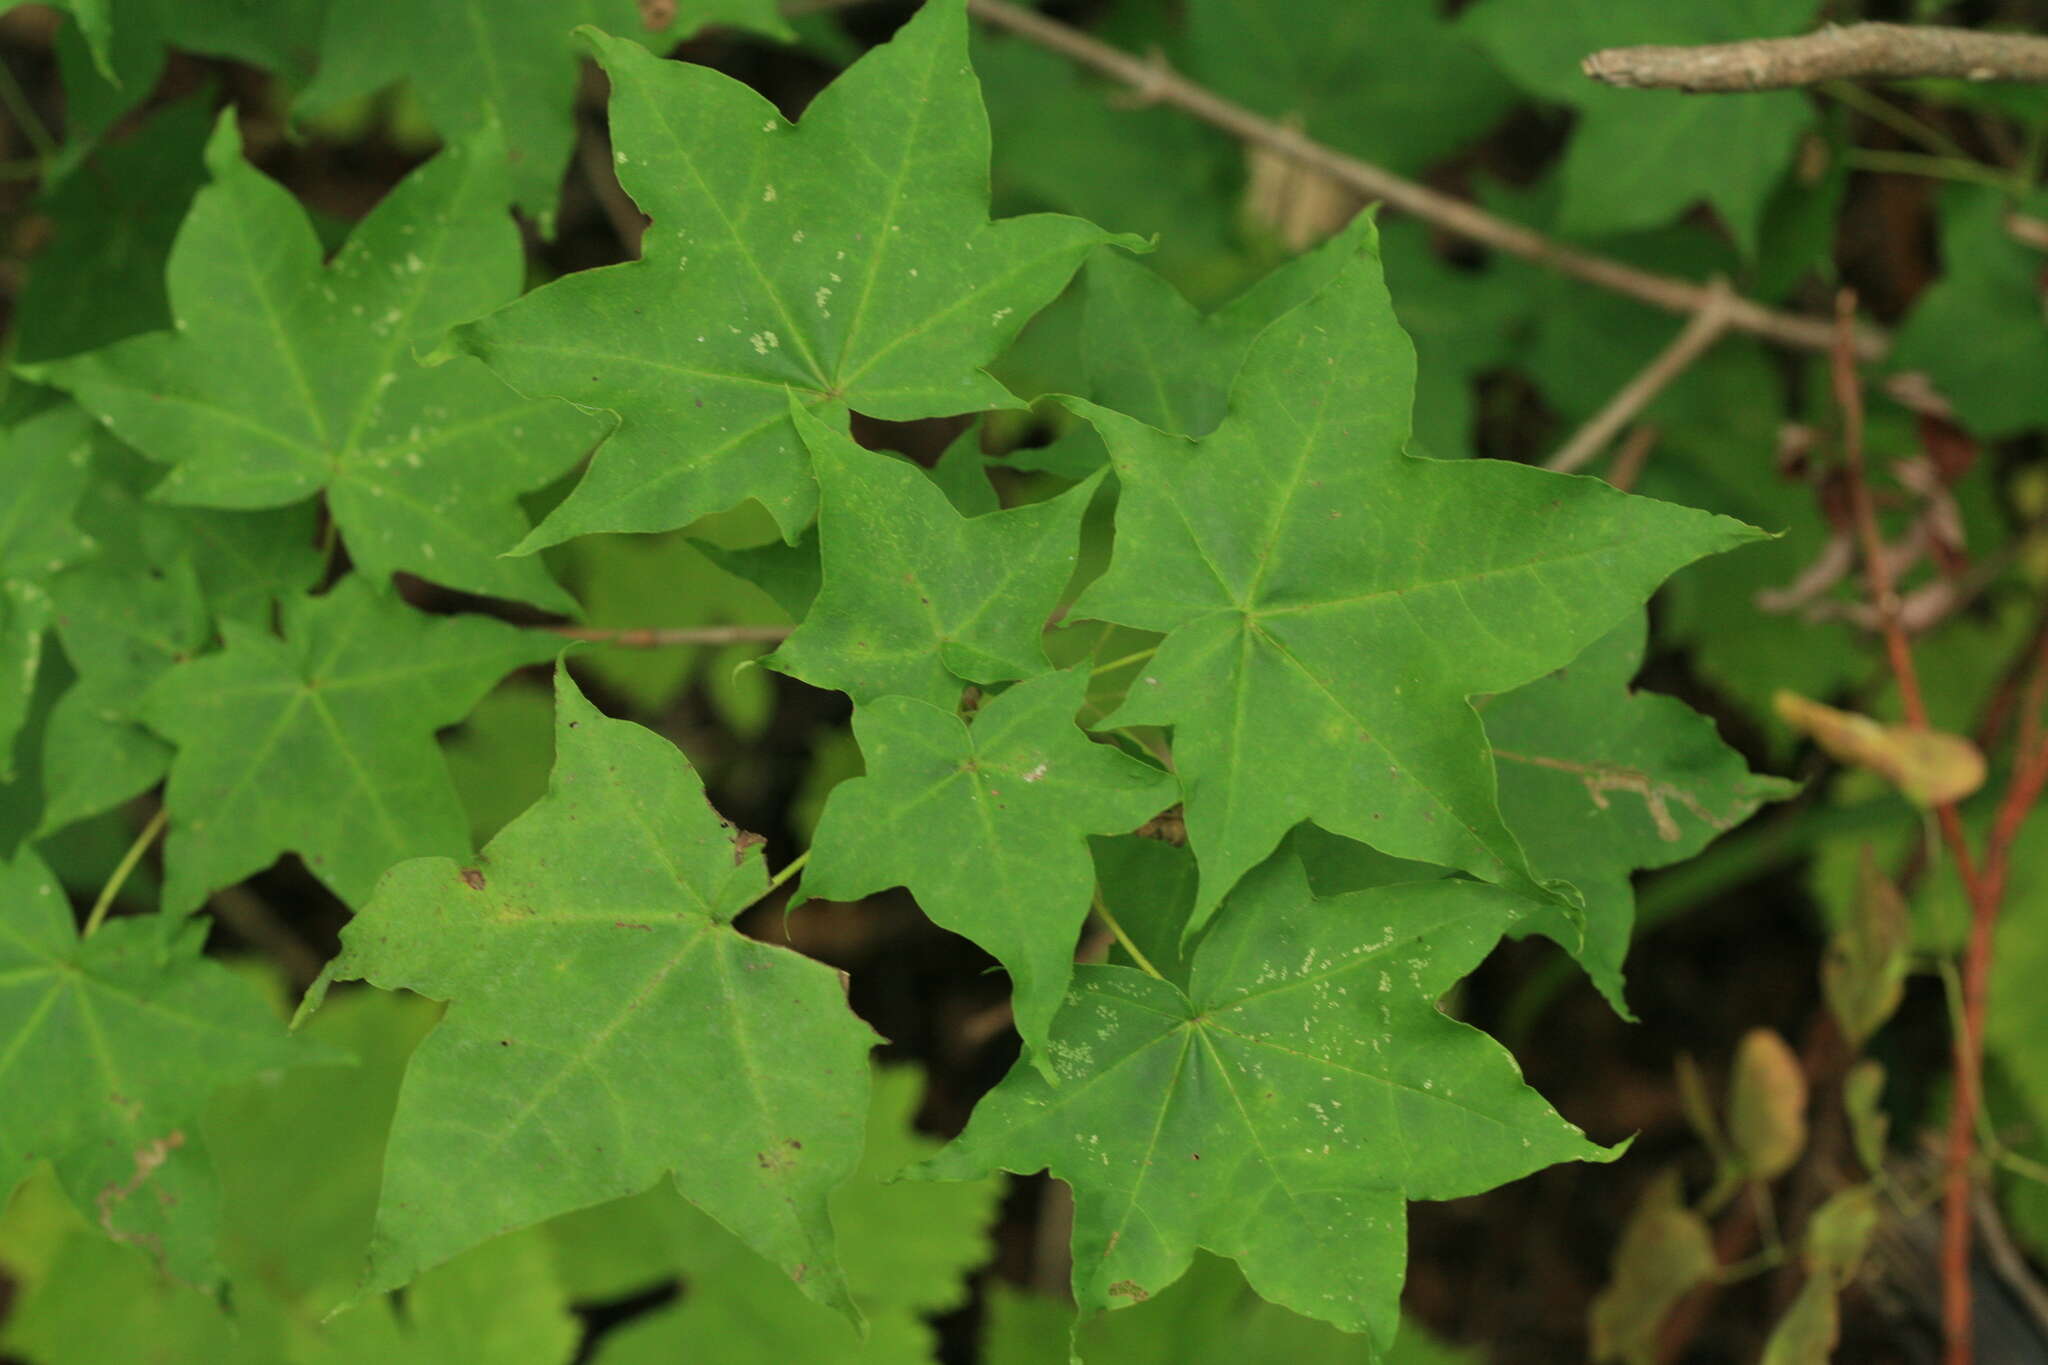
{"points": [[671, 637], [1124, 940], [1878, 109], [122, 871], [1128, 659], [16, 102], [1963, 169], [789, 869]]}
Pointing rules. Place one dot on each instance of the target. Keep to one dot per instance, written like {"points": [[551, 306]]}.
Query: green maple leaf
{"points": [[284, 378], [508, 62], [597, 992], [916, 597], [121, 631], [1330, 602], [987, 825], [1640, 158], [1209, 1316], [848, 259], [1152, 355], [1283, 1107], [1598, 781], [1977, 331], [909, 1246], [1390, 81], [245, 562], [115, 1043], [322, 743], [44, 466]]}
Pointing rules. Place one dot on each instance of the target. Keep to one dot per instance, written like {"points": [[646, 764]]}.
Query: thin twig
{"points": [[1962, 170], [1880, 110], [1162, 85], [16, 102], [1692, 342], [665, 637], [1633, 455], [1858, 51]]}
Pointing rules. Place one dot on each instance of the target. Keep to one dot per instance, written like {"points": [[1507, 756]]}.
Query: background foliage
{"points": [[972, 501]]}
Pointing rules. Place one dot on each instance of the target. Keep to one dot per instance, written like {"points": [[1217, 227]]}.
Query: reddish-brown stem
{"points": [[664, 637], [1962, 1138]]}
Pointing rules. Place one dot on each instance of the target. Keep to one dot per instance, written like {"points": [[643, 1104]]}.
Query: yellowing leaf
{"points": [[1766, 1105], [1930, 767]]}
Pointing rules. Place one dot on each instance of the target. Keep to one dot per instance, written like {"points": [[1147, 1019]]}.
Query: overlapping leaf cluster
{"points": [[1234, 608]]}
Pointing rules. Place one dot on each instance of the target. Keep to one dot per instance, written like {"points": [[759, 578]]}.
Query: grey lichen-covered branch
{"points": [[1852, 52]]}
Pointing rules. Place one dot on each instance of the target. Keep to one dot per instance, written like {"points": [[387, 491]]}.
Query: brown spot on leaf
{"points": [[743, 840], [1129, 1289], [473, 879], [149, 1157]]}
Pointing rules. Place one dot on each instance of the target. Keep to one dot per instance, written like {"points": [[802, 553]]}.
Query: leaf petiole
{"points": [[123, 869], [1124, 940]]}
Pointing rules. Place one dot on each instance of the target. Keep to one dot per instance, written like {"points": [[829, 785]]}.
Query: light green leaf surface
{"points": [[122, 630], [1284, 1108], [1152, 355], [1598, 781], [285, 377], [322, 743], [1331, 602], [245, 562], [502, 1303], [506, 62], [909, 1246], [606, 1023], [916, 598], [847, 259], [1209, 1316], [66, 1280], [987, 825], [117, 1041], [1640, 158], [44, 465]]}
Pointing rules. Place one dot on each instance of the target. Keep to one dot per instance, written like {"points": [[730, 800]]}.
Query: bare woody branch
{"points": [[1156, 82], [1854, 52], [1689, 345]]}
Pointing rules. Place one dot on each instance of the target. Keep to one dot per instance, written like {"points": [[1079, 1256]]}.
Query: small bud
{"points": [[1839, 1233], [1869, 1126], [1930, 767], [1766, 1105], [1864, 973]]}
